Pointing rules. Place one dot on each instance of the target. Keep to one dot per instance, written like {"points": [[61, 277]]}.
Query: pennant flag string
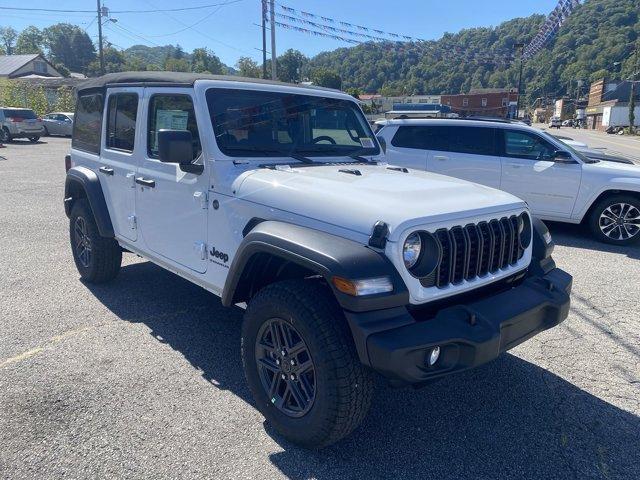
{"points": [[361, 28]]}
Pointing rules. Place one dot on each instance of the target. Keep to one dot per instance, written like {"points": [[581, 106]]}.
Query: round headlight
{"points": [[411, 250]]}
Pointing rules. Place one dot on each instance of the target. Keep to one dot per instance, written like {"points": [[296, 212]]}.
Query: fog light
{"points": [[434, 354]]}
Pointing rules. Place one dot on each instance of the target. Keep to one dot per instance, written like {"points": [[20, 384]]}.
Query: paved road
{"points": [[142, 378], [625, 145]]}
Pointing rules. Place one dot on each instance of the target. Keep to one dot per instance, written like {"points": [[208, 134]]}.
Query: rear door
{"points": [[405, 146], [465, 152], [171, 204], [529, 172], [119, 159]]}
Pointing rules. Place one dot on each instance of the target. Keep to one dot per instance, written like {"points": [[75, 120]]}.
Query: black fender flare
{"points": [[86, 179], [324, 254]]}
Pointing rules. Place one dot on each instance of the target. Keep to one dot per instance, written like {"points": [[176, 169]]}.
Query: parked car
{"points": [[19, 123], [270, 195], [555, 122], [58, 123], [558, 182], [593, 153], [567, 123]]}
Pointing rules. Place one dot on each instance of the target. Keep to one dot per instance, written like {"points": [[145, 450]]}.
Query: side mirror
{"points": [[383, 144], [176, 146], [562, 156]]}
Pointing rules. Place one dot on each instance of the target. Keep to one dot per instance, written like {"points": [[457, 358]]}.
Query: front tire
{"points": [[97, 258], [301, 364], [5, 136], [616, 220]]}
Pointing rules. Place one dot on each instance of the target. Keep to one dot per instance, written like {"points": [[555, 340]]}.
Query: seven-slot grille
{"points": [[475, 250]]}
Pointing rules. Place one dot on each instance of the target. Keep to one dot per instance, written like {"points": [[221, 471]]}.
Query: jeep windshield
{"points": [[255, 123]]}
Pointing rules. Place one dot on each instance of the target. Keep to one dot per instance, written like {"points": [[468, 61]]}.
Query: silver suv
{"points": [[20, 123]]}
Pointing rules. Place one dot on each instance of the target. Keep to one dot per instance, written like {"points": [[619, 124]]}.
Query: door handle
{"points": [[442, 158], [146, 182], [106, 170]]}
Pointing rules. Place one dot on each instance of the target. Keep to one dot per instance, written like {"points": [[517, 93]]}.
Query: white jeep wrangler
{"points": [[273, 196]]}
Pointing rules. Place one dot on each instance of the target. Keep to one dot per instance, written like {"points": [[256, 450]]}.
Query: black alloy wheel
{"points": [[286, 369]]}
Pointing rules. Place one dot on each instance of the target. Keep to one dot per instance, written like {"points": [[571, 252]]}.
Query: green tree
{"points": [[8, 38], [205, 61], [248, 68], [69, 45], [30, 40], [114, 61], [326, 78], [355, 92], [177, 65], [290, 64], [66, 100], [599, 75]]}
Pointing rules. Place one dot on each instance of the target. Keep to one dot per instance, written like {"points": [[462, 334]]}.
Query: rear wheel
{"points": [[616, 220], [34, 139], [301, 364], [5, 136], [97, 258]]}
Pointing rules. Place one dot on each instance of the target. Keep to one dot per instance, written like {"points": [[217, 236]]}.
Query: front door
{"points": [[530, 172], [171, 204], [119, 158]]}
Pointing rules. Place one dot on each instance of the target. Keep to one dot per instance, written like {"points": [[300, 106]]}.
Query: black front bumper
{"points": [[396, 343]]}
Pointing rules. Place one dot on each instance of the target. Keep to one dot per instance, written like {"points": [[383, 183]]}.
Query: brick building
{"points": [[609, 104], [487, 102]]}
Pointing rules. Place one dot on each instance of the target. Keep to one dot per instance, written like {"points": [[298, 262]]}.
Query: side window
{"points": [[172, 112], [406, 137], [474, 140], [121, 121], [424, 138], [527, 145], [88, 125]]}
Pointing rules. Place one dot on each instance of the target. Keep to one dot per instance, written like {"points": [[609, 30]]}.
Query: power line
{"points": [[183, 9]]}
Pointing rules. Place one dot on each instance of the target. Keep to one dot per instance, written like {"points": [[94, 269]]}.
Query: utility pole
{"points": [[100, 52], [521, 46], [264, 38], [272, 12], [632, 96]]}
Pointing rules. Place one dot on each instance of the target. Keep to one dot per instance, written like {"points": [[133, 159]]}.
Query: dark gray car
{"points": [[58, 123]]}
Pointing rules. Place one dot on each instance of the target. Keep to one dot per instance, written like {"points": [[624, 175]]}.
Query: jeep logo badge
{"points": [[218, 254]]}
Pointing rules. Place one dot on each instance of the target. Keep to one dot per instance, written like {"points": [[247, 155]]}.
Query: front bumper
{"points": [[396, 343]]}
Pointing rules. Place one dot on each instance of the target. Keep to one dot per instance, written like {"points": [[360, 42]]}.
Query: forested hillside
{"points": [[599, 33]]}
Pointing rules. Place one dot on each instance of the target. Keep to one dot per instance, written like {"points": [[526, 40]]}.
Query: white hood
{"points": [[357, 202]]}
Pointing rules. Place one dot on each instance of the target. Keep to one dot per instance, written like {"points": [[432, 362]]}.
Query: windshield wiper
{"points": [[300, 158]]}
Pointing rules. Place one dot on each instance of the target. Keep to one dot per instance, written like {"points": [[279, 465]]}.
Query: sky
{"points": [[233, 30]]}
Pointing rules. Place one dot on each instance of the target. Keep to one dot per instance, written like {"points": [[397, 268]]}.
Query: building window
{"points": [[465, 102], [505, 102], [484, 102], [39, 67]]}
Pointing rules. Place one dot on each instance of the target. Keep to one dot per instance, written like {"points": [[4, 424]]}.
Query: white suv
{"points": [[558, 182], [271, 196]]}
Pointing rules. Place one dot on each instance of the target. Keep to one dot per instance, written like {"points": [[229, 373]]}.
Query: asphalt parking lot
{"points": [[141, 378]]}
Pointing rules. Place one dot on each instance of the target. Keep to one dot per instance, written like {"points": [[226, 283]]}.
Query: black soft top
{"points": [[173, 78]]}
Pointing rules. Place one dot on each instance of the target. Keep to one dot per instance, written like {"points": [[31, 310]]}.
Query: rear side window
{"points": [[422, 137], [88, 125], [121, 121], [172, 112], [19, 114], [474, 140]]}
